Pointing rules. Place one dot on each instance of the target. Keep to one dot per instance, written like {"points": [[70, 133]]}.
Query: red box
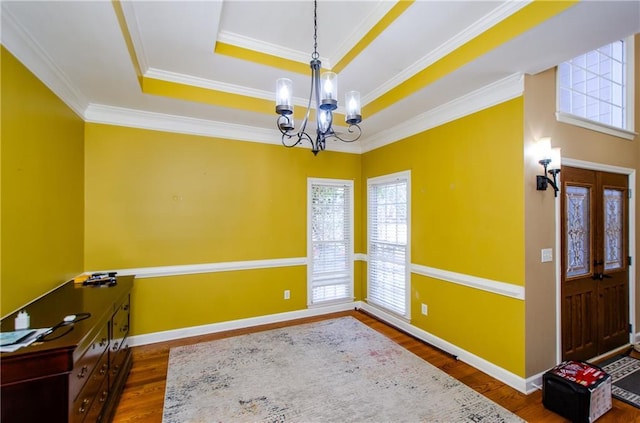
{"points": [[578, 391]]}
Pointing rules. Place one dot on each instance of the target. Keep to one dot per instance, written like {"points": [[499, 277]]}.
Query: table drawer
{"points": [[85, 366], [117, 359], [96, 411], [120, 324], [90, 392]]}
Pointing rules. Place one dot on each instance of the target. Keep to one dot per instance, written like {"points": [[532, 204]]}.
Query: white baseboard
{"points": [[170, 335], [525, 386], [479, 363]]}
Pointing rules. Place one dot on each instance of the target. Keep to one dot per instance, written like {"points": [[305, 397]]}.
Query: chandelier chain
{"points": [[325, 103], [315, 54]]}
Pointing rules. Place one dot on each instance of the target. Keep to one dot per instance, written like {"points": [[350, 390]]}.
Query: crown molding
{"points": [[500, 13], [269, 48], [490, 95], [366, 25], [133, 28], [120, 116], [24, 47], [209, 84]]}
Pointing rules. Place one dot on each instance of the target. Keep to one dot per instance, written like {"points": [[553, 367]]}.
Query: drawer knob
{"points": [[83, 372], [104, 396], [124, 328], [103, 342], [115, 346], [103, 369], [83, 406]]}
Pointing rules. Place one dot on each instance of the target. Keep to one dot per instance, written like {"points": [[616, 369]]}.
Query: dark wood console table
{"points": [[78, 376]]}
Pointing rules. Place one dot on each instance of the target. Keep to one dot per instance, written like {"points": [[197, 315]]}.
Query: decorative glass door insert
{"points": [[578, 231]]}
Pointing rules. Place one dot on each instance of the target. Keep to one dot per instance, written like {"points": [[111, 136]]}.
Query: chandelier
{"points": [[324, 89]]}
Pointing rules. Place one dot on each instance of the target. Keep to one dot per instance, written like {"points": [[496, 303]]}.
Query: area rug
{"points": [[625, 378], [337, 370]]}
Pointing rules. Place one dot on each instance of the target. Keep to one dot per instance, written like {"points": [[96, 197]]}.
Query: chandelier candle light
{"points": [[324, 88]]}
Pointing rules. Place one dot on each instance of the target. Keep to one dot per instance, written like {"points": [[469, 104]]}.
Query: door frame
{"points": [[631, 176]]}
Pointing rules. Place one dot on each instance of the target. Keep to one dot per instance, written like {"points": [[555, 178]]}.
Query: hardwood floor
{"points": [[143, 396]]}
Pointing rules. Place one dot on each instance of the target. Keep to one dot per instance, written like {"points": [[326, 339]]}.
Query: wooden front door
{"points": [[595, 260]]}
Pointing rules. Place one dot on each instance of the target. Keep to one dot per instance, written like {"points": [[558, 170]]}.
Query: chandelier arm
{"points": [[299, 137], [303, 127], [350, 130]]}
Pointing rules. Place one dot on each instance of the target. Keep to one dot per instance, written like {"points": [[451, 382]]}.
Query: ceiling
{"points": [[209, 67]]}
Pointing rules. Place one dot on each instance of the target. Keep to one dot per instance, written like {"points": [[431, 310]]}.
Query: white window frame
{"points": [[384, 180], [626, 133], [313, 279]]}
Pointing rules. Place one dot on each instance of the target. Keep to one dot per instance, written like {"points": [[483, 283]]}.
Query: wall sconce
{"points": [[550, 159]]}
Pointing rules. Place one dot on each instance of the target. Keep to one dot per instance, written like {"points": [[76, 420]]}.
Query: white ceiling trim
{"points": [[135, 34], [24, 47], [180, 78], [120, 116], [482, 98], [491, 19], [379, 12], [490, 95], [268, 48]]}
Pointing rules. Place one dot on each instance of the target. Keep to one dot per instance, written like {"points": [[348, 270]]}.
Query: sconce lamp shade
{"points": [[544, 148], [556, 159]]}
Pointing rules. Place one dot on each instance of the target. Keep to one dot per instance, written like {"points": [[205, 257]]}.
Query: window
{"points": [[388, 255], [595, 89], [330, 240]]}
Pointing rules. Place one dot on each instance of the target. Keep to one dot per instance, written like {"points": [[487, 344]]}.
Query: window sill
{"points": [[595, 126]]}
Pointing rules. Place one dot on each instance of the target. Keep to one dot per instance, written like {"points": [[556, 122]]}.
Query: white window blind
{"points": [[388, 210], [330, 274]]}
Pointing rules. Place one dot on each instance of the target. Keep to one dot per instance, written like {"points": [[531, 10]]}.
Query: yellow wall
{"points": [[163, 199], [467, 217], [42, 188], [79, 197]]}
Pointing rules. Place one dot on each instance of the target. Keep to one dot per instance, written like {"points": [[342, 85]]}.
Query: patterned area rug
{"points": [[336, 370], [625, 378]]}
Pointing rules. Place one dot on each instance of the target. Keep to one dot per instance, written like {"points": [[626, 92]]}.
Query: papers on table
{"points": [[12, 341]]}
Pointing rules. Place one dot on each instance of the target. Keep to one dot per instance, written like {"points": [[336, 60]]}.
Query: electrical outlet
{"points": [[424, 309], [287, 294], [546, 255]]}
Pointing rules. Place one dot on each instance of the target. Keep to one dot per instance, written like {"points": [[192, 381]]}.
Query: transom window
{"points": [[330, 240], [595, 88]]}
